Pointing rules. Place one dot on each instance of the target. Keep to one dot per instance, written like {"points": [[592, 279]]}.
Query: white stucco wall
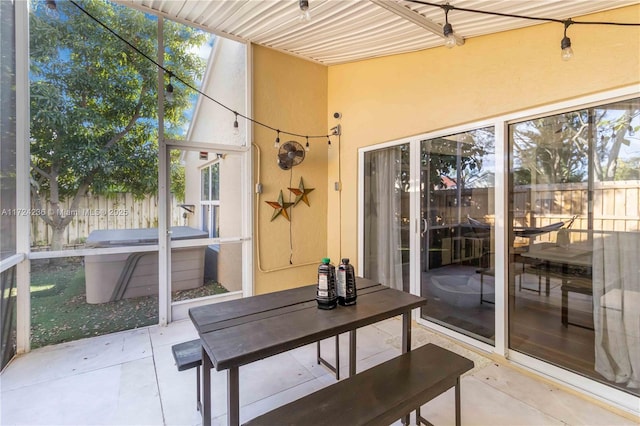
{"points": [[225, 81]]}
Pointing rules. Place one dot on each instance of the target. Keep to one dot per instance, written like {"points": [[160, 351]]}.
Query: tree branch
{"points": [[38, 201], [118, 136], [41, 172]]}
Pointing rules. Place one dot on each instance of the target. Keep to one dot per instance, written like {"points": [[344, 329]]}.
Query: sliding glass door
{"points": [[574, 294], [387, 217], [444, 207], [456, 235], [523, 235]]}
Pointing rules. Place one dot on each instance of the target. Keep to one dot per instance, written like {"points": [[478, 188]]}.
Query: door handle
{"points": [[424, 227]]}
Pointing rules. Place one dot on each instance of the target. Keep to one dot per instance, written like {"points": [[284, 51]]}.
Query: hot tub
{"points": [[462, 291], [111, 277]]}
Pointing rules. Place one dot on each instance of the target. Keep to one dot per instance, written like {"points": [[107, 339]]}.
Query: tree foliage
{"points": [[556, 149], [94, 101]]}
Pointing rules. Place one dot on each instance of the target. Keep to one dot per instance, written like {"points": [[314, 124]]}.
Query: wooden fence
{"points": [[119, 211], [616, 205]]}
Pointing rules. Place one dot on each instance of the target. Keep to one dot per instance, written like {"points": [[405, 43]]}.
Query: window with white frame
{"points": [[210, 199]]}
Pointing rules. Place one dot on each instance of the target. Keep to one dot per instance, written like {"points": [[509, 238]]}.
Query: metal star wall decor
{"points": [[301, 194], [280, 207]]}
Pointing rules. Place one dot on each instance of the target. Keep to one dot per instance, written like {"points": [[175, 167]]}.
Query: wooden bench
{"points": [[380, 395], [189, 355]]}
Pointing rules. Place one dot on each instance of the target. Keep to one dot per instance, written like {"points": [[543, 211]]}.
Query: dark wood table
{"points": [[242, 331], [573, 255]]}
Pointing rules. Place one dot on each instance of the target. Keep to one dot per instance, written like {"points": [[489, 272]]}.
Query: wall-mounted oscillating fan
{"points": [[290, 154]]}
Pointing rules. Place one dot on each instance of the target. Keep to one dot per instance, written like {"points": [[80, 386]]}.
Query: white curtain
{"points": [[616, 298], [382, 219]]}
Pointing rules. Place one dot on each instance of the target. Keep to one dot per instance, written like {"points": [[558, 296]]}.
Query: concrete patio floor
{"points": [[129, 378]]}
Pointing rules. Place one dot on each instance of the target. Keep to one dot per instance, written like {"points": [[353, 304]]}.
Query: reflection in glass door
{"points": [[574, 290], [456, 236]]}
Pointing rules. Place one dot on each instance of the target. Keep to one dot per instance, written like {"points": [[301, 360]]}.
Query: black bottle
{"points": [[346, 283], [326, 289]]}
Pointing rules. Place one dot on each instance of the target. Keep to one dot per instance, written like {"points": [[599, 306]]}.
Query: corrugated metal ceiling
{"points": [[350, 30]]}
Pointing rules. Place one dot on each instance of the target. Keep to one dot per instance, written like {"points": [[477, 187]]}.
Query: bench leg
{"points": [[406, 344], [198, 399], [458, 401]]}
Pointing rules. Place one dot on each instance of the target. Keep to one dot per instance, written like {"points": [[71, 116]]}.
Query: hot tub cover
{"points": [[135, 237]]}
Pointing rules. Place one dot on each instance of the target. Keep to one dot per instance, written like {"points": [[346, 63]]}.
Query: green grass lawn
{"points": [[60, 312]]}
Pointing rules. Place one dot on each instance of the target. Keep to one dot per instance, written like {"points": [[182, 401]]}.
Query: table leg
{"points": [[352, 353], [233, 397], [206, 388], [547, 284], [565, 306], [565, 296], [406, 332]]}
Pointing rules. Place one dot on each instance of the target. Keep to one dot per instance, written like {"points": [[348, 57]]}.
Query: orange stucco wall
{"points": [[290, 94], [394, 97]]}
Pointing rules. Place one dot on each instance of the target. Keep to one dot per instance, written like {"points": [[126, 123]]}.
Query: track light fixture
{"points": [[305, 13], [51, 9], [447, 30], [276, 145], [565, 44]]}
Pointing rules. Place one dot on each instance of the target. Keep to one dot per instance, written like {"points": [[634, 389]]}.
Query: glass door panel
{"points": [[205, 205], [574, 249], [386, 217], [456, 238]]}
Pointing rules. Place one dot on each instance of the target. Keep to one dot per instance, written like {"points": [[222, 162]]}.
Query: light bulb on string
{"points": [[328, 142], [305, 13], [276, 145], [565, 44], [447, 30], [51, 9], [169, 93], [306, 147], [236, 127]]}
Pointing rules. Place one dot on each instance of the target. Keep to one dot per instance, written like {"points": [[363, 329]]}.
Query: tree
{"points": [[556, 149], [94, 103]]}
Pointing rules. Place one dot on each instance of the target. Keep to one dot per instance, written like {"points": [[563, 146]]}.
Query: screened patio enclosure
{"points": [[493, 178]]}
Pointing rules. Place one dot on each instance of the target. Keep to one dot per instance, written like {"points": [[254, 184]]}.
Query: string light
{"points": [[328, 142], [236, 127], [565, 44], [51, 9], [303, 3], [305, 13], [447, 30], [169, 90], [186, 83], [306, 147], [277, 144]]}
